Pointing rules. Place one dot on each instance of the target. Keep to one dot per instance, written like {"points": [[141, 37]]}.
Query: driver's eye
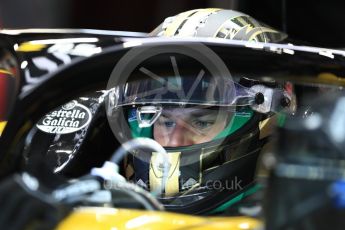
{"points": [[202, 125], [169, 124], [166, 122]]}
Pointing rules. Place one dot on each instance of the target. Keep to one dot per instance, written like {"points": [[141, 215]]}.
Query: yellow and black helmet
{"points": [[217, 23], [205, 122]]}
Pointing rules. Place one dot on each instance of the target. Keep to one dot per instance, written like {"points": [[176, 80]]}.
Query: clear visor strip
{"points": [[271, 103]]}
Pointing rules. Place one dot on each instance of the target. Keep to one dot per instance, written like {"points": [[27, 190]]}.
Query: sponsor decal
{"points": [[68, 118]]}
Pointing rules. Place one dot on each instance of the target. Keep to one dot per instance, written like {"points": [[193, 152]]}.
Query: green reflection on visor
{"points": [[238, 120]]}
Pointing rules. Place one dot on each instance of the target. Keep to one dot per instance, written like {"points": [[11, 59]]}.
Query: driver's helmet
{"points": [[209, 125], [217, 23]]}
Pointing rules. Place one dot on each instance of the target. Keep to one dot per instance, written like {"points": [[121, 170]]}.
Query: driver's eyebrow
{"points": [[195, 113], [203, 112]]}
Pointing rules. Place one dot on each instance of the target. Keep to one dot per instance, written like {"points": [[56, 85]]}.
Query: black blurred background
{"points": [[321, 23]]}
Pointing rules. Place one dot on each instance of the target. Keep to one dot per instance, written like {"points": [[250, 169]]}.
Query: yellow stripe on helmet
{"points": [[261, 31], [222, 26], [244, 25], [156, 174]]}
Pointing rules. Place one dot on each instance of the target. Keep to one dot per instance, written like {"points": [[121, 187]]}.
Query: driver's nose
{"points": [[180, 136]]}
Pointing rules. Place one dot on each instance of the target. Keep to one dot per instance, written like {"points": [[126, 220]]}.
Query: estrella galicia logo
{"points": [[68, 118]]}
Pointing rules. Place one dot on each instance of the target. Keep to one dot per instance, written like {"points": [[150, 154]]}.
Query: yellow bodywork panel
{"points": [[2, 126], [30, 47], [115, 219]]}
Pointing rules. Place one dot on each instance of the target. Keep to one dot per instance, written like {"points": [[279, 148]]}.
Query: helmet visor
{"points": [[200, 90], [177, 127]]}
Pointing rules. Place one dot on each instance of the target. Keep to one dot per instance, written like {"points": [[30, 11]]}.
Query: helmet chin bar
{"points": [[110, 169]]}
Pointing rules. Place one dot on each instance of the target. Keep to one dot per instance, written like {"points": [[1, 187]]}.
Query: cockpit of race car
{"points": [[125, 130]]}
